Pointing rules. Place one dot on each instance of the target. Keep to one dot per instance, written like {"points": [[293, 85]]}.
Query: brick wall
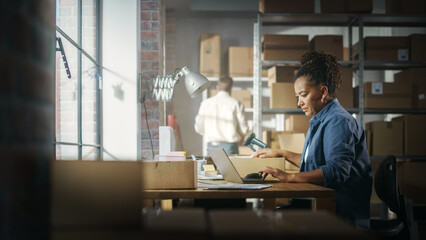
{"points": [[170, 41], [27, 30], [151, 65]]}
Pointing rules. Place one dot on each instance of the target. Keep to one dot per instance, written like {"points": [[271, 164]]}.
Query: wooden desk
{"points": [[324, 197]]}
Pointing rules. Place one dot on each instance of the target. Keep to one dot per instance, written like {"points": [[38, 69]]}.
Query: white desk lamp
{"points": [[162, 89]]}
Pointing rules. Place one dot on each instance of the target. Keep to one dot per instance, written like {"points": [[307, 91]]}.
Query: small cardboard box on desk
{"points": [[169, 172]]}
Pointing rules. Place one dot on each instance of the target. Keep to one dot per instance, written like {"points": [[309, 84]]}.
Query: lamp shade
{"points": [[195, 83]]}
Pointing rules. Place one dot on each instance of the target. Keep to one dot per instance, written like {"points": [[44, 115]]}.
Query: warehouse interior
{"points": [[89, 151]]}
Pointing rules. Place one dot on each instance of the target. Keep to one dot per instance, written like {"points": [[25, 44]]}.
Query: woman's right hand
{"points": [[268, 153], [275, 172]]}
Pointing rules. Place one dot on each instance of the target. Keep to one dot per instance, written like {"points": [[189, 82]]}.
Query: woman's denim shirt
{"points": [[337, 146]]}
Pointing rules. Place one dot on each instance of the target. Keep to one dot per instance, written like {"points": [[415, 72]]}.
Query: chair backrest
{"points": [[386, 184]]}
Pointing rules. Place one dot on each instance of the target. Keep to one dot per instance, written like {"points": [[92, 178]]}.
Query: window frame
{"points": [[98, 79]]}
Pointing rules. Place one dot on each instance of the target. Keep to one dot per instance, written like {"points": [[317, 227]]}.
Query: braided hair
{"points": [[321, 68]]}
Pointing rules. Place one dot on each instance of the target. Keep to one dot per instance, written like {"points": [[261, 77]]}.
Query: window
{"points": [[77, 113]]}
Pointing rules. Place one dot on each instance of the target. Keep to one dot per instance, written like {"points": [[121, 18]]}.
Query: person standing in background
{"points": [[221, 119]]}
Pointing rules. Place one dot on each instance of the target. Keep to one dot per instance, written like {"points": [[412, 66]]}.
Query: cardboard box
{"points": [[169, 174], [210, 55], [418, 47], [292, 142], [280, 6], [416, 77], [384, 49], [284, 47], [405, 6], [243, 96], [346, 6], [386, 139], [330, 44], [240, 61], [368, 136], [246, 165], [278, 74], [282, 96], [244, 151], [345, 94], [269, 136], [297, 123], [414, 133], [359, 6], [345, 54], [411, 180], [385, 95]]}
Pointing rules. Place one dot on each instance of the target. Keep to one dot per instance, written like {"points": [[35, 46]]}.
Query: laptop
{"points": [[228, 170]]}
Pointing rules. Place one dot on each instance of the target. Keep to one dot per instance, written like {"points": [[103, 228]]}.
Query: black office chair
{"points": [[386, 186]]}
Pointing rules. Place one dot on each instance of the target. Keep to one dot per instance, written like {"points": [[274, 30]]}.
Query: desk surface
{"points": [[278, 190]]}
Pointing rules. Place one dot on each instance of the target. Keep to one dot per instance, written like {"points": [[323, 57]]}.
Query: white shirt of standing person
{"points": [[221, 118]]}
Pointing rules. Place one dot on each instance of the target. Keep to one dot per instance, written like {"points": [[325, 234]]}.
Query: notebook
{"points": [[227, 168]]}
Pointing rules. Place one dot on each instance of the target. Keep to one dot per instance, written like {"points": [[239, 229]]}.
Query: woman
{"points": [[335, 153]]}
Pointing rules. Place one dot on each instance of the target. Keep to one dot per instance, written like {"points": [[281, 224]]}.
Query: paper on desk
{"points": [[231, 186]]}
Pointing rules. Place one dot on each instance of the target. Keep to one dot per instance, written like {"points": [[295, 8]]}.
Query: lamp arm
{"points": [[176, 78]]}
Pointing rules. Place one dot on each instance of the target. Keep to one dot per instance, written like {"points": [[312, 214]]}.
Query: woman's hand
{"points": [[274, 172], [268, 153]]}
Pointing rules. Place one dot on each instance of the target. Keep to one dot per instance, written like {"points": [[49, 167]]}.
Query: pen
{"points": [[264, 176]]}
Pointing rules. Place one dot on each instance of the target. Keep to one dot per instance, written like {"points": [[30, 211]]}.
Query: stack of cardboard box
{"points": [[346, 6], [416, 77], [399, 137], [240, 62], [279, 6], [405, 6], [209, 62], [385, 95], [384, 49], [330, 44], [284, 47]]}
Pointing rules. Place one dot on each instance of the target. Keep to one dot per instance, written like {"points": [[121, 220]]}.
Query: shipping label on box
{"points": [[377, 88], [169, 174]]}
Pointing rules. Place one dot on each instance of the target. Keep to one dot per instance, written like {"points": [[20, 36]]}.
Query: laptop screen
{"points": [[224, 164]]}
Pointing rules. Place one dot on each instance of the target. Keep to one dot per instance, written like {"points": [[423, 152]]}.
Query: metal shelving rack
{"points": [[331, 20]]}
